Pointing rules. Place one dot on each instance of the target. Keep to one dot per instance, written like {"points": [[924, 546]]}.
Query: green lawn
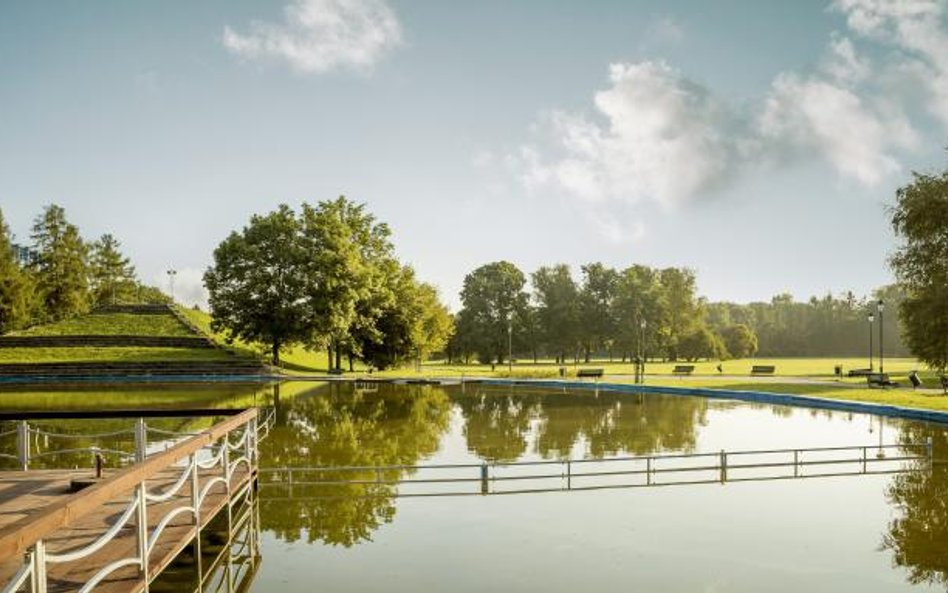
{"points": [[294, 360], [92, 354], [112, 324]]}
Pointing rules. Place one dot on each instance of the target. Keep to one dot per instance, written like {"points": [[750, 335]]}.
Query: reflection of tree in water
{"points": [[918, 535], [337, 425], [499, 422], [496, 423]]}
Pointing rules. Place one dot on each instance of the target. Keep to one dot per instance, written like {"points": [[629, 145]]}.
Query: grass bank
{"points": [[112, 324]]}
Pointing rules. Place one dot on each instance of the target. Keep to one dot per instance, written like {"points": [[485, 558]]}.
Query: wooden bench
{"points": [[763, 369], [880, 380], [683, 369], [858, 372], [589, 373]]}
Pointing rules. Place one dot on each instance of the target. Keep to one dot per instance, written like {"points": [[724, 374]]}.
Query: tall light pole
{"points": [[171, 274], [881, 307], [871, 319], [642, 350]]}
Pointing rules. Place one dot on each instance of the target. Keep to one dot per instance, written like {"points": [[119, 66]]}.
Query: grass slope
{"points": [[113, 324], [111, 354]]}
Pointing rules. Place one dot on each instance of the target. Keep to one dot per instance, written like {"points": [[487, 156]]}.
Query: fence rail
{"points": [[589, 474], [31, 440]]}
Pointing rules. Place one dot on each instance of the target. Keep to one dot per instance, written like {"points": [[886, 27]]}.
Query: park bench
{"points": [[683, 369], [858, 372], [944, 383], [763, 369], [880, 380], [589, 373]]}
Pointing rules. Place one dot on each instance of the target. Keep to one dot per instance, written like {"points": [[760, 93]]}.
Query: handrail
{"points": [[17, 537]]}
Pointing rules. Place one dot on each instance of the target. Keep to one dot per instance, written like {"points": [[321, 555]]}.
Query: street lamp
{"points": [[642, 350], [881, 307], [171, 274], [872, 318]]}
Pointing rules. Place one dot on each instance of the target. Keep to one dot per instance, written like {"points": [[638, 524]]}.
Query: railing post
{"points": [[196, 504], [23, 444], [38, 559], [723, 466], [142, 531], [484, 476], [141, 440], [796, 464], [864, 458], [648, 471], [569, 475]]}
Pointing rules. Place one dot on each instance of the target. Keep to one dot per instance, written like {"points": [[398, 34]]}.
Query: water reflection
{"points": [[337, 425], [918, 535]]}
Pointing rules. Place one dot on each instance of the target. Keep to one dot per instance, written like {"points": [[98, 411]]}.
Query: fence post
{"points": [[796, 464], [864, 458], [141, 440], [23, 444], [142, 531], [723, 466], [648, 471], [484, 476], [569, 475], [38, 559]]}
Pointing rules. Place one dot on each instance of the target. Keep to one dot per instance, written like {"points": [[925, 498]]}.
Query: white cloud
{"points": [[322, 35], [916, 28], [657, 137]]}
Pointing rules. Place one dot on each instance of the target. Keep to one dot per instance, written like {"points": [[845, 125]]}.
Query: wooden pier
{"points": [[119, 534]]}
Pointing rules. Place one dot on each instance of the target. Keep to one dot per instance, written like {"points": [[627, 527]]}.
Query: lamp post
{"points": [[871, 319], [171, 274], [881, 307], [642, 324]]}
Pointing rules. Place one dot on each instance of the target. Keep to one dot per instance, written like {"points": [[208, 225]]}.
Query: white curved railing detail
{"points": [[175, 498], [167, 494], [100, 542], [207, 488], [153, 538], [109, 569]]}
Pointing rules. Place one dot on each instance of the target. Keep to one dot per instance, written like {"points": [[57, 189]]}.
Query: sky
{"points": [[758, 143]]}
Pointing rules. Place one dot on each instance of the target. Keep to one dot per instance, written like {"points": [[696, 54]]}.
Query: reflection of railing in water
{"points": [[31, 440], [593, 474]]}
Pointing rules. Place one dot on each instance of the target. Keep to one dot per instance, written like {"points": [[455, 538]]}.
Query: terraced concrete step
{"points": [[103, 341], [62, 369], [134, 309]]}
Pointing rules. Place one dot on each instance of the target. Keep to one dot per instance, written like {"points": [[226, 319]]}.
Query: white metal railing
{"points": [[28, 437], [591, 474], [148, 509]]}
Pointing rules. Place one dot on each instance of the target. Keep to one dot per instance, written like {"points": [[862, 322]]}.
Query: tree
{"points": [[257, 283], [597, 307], [557, 310], [683, 307], [61, 269], [920, 220], [740, 341], [112, 275], [492, 297], [16, 289], [349, 263], [700, 343], [640, 299]]}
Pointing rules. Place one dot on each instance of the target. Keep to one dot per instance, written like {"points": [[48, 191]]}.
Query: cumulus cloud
{"points": [[653, 135], [657, 136], [322, 35], [916, 28]]}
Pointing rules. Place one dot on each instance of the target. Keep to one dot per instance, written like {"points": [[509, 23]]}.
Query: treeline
{"points": [[645, 312], [64, 275], [324, 277]]}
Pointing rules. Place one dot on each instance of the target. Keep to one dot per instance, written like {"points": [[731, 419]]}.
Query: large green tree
{"points": [[350, 263], [16, 289], [111, 273], [557, 310], [257, 284], [493, 298], [920, 221], [597, 308], [62, 269]]}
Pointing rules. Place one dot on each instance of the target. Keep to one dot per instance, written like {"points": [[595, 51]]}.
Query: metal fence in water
{"points": [[590, 474]]}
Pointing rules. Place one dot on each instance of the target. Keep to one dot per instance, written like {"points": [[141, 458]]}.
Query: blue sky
{"points": [[756, 142]]}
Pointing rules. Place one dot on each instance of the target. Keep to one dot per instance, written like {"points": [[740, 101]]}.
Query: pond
{"points": [[884, 531]]}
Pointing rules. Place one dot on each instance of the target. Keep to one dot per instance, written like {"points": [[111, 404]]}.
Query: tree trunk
{"points": [[350, 361], [328, 358], [275, 356], [338, 359]]}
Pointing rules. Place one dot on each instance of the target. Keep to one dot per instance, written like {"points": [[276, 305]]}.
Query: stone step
{"points": [[105, 341]]}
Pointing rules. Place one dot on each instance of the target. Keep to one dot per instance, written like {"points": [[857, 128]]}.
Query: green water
{"points": [[869, 533]]}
